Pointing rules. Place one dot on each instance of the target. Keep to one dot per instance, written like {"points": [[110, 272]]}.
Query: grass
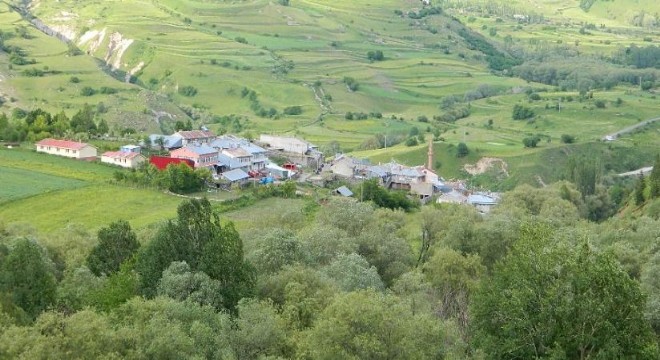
{"points": [[92, 207], [40, 163], [20, 183]]}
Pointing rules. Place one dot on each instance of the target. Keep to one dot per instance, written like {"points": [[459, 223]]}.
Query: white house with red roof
{"points": [[195, 137], [127, 159], [202, 156], [72, 149]]}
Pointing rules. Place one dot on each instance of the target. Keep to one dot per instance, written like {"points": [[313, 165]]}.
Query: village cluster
{"points": [[235, 160]]}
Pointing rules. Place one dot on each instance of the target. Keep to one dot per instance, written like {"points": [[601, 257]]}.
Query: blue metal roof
{"points": [[344, 191], [202, 149], [235, 175], [481, 200]]}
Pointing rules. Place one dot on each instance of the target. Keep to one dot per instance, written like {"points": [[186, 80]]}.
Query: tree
{"points": [[654, 179], [375, 55], [260, 331], [28, 278], [117, 243], [639, 190], [180, 283], [102, 128], [352, 272], [531, 141], [274, 250], [370, 325], [198, 238], [462, 150], [521, 112], [455, 277], [551, 299]]}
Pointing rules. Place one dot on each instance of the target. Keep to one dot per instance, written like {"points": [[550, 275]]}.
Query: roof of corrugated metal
{"points": [[235, 175]]}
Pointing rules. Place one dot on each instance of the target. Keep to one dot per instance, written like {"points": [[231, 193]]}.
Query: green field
{"points": [[92, 207], [19, 183]]}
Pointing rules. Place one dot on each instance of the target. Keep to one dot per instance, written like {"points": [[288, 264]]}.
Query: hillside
{"points": [[261, 66]]}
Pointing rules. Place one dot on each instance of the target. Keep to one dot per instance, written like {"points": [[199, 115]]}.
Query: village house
{"points": [[195, 137], [346, 166], [287, 144], [72, 149], [296, 150], [127, 159], [258, 155], [203, 156], [235, 158]]}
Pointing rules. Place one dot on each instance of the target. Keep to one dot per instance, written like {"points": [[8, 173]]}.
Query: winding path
{"points": [[631, 128]]}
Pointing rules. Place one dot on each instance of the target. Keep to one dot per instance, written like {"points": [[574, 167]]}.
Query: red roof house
{"points": [[161, 162], [72, 149]]}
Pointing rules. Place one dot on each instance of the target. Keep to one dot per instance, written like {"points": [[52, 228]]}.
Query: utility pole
{"points": [[559, 105]]}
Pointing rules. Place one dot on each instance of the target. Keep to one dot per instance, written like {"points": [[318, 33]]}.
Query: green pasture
{"points": [[30, 160], [21, 183], [92, 207]]}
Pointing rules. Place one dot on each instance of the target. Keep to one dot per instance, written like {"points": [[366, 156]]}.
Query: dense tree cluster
{"points": [[341, 279], [38, 124]]}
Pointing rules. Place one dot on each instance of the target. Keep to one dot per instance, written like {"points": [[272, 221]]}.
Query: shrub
{"points": [[600, 104], [74, 80], [188, 91], [375, 55], [108, 90], [412, 141], [293, 110], [521, 112], [87, 91], [567, 139], [241, 40], [462, 150], [531, 141], [351, 83], [534, 97]]}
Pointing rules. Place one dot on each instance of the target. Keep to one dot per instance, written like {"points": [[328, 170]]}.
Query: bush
{"points": [[412, 141], [87, 91], [521, 112], [462, 150], [33, 72], [108, 90], [188, 91], [534, 97], [600, 104], [293, 110], [567, 139], [241, 40], [531, 141], [74, 80], [375, 55], [351, 83]]}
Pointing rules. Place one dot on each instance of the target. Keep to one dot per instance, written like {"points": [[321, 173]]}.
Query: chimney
{"points": [[430, 153]]}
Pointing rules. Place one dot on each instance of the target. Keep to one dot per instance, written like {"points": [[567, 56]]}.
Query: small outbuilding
{"points": [[343, 191], [122, 158], [235, 176]]}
